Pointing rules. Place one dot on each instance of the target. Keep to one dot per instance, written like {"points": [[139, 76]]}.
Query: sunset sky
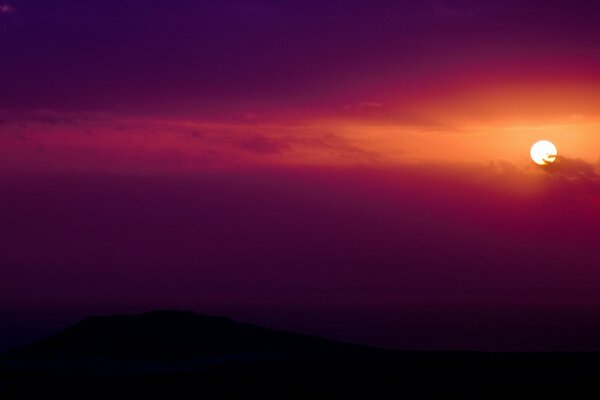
{"points": [[355, 169]]}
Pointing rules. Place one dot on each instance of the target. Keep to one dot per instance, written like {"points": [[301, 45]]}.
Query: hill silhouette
{"points": [[170, 337], [177, 352]]}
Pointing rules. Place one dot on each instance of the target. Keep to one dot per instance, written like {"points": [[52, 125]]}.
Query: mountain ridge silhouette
{"points": [[169, 351], [169, 336]]}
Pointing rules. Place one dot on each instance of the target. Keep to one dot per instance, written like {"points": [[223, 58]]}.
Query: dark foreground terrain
{"points": [[181, 354]]}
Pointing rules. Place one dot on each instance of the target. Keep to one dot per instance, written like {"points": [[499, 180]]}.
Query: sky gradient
{"points": [[358, 170]]}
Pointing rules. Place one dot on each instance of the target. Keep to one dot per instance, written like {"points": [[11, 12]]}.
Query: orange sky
{"points": [[484, 125]]}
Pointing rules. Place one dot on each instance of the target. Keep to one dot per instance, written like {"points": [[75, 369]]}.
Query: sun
{"points": [[543, 152]]}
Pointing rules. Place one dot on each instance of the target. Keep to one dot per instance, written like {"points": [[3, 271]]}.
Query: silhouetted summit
{"points": [[170, 337], [176, 353]]}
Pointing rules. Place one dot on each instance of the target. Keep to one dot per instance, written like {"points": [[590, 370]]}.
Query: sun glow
{"points": [[543, 152]]}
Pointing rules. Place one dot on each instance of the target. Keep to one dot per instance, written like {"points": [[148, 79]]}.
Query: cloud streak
{"points": [[574, 168], [49, 140], [578, 175], [60, 141]]}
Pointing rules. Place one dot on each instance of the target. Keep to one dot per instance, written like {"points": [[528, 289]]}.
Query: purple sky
{"points": [[301, 248], [352, 169], [216, 58]]}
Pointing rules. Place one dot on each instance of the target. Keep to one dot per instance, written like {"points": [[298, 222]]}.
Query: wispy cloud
{"points": [[578, 175], [370, 105], [102, 141], [261, 144], [6, 8], [573, 168]]}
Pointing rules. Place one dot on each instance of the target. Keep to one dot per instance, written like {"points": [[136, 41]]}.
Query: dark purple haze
{"points": [[408, 257]]}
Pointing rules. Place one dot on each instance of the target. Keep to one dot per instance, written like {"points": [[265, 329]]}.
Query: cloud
{"points": [[133, 144], [142, 143], [6, 8], [370, 105], [264, 145], [578, 175], [573, 168]]}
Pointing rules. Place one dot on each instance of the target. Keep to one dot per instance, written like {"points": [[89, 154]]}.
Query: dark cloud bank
{"points": [[576, 175]]}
